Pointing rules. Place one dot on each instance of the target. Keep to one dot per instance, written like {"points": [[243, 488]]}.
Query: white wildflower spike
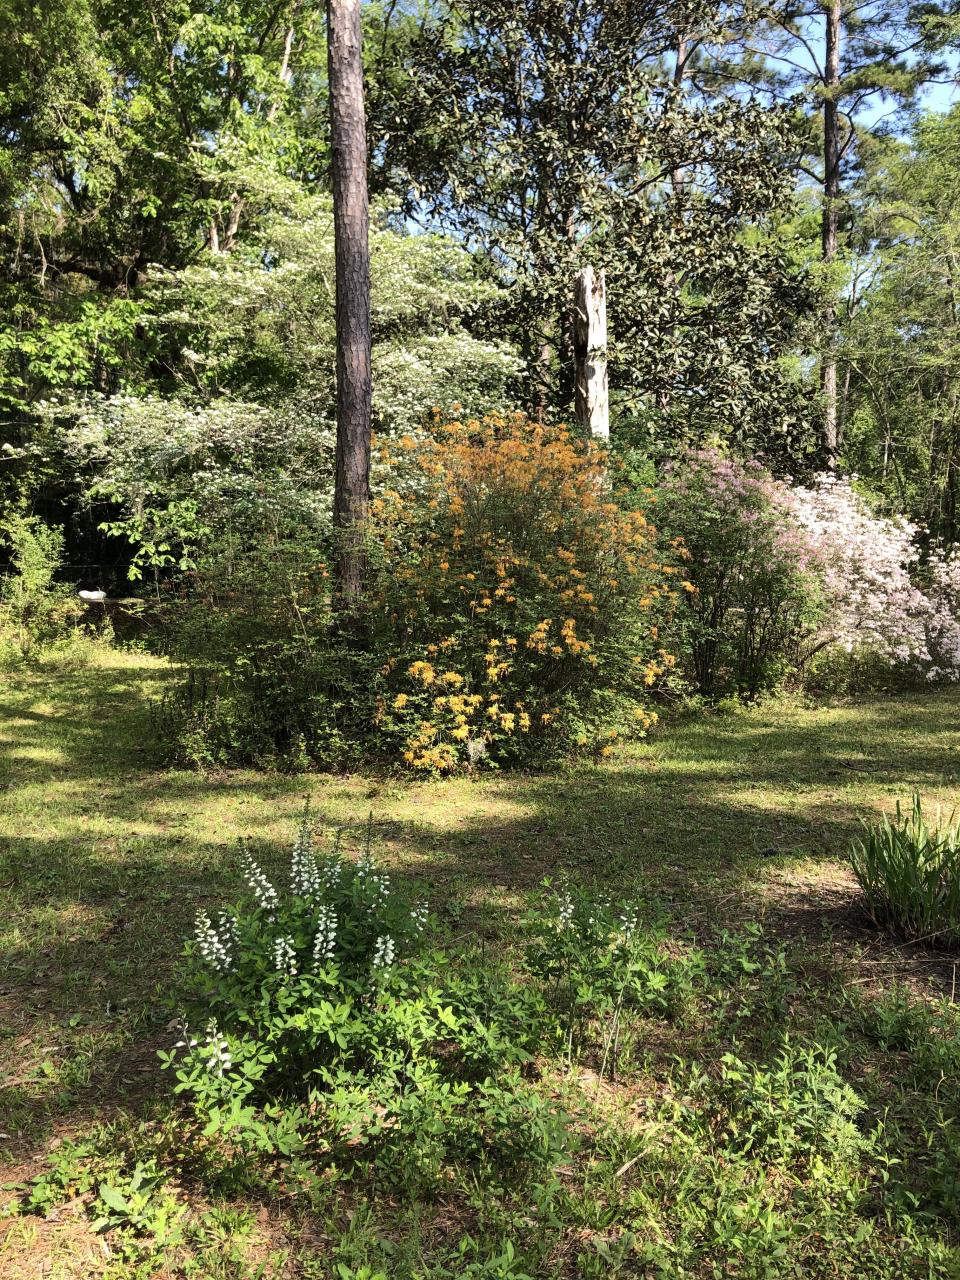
{"points": [[325, 941], [262, 889], [285, 956], [215, 945], [331, 872], [375, 884], [215, 1051], [418, 917], [565, 911], [628, 922], [186, 1041], [305, 880], [383, 953]]}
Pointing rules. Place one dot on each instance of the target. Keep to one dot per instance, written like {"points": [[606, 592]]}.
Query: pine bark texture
{"points": [[592, 400], [831, 193], [352, 244]]}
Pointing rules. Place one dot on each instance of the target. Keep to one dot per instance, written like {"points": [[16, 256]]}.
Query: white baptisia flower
{"points": [[216, 945], [564, 911], [384, 952], [305, 879], [264, 892], [628, 923], [215, 1051], [373, 882], [325, 941], [418, 917], [285, 956]]}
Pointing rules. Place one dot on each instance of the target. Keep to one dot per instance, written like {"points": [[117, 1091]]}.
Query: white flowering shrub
{"points": [[783, 576], [320, 1025], [867, 566], [943, 617], [317, 1021]]}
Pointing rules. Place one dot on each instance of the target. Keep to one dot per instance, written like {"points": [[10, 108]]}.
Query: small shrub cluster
{"points": [[795, 580], [323, 1025], [36, 611], [909, 872], [752, 569]]}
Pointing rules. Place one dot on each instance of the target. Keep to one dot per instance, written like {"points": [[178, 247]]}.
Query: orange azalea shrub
{"points": [[521, 598]]}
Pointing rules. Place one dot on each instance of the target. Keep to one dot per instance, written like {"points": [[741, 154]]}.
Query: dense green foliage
{"points": [[909, 871], [785, 1097]]}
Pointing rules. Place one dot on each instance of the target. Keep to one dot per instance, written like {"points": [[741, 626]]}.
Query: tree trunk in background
{"points": [[352, 243], [831, 192], [679, 71], [592, 402]]}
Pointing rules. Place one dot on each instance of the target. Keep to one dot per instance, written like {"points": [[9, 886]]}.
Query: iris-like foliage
{"points": [[909, 871]]}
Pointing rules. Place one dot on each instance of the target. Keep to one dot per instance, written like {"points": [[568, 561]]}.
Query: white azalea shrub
{"points": [[867, 567], [788, 575], [879, 593], [943, 617]]}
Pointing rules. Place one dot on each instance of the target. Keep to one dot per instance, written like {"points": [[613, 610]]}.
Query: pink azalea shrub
{"points": [[867, 565], [750, 566], [781, 573]]}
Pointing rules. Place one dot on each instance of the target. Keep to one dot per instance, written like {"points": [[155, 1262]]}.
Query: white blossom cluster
{"points": [[331, 872], [325, 941], [628, 922], [384, 952], [285, 956], [263, 890], [564, 911], [418, 917], [216, 1051], [305, 878], [373, 882], [215, 944], [867, 565]]}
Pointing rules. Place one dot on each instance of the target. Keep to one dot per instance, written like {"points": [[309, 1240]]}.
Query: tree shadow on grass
{"points": [[105, 858]]}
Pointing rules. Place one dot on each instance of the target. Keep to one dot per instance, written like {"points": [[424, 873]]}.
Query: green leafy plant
{"points": [[34, 608], [136, 1202], [327, 1029], [597, 966], [909, 871]]}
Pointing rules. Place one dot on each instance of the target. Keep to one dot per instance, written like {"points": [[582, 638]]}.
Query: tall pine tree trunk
{"points": [[352, 242], [831, 193]]}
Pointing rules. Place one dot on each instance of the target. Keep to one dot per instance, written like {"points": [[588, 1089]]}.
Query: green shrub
{"points": [[321, 1028], [598, 968], [512, 612], [754, 590], [909, 872], [35, 610]]}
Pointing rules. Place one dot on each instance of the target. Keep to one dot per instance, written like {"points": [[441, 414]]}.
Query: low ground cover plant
{"points": [[908, 869], [610, 1095]]}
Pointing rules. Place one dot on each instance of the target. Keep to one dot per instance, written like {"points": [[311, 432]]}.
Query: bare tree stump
{"points": [[591, 396]]}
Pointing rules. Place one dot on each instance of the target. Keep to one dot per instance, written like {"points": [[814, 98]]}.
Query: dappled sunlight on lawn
{"points": [[105, 856]]}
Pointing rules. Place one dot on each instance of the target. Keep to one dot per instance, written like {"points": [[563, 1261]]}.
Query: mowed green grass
{"points": [[105, 857]]}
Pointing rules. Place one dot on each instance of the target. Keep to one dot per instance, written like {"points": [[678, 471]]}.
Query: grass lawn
{"points": [[718, 823]]}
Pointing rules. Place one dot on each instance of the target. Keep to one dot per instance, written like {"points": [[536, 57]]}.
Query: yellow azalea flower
{"points": [[400, 701]]}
